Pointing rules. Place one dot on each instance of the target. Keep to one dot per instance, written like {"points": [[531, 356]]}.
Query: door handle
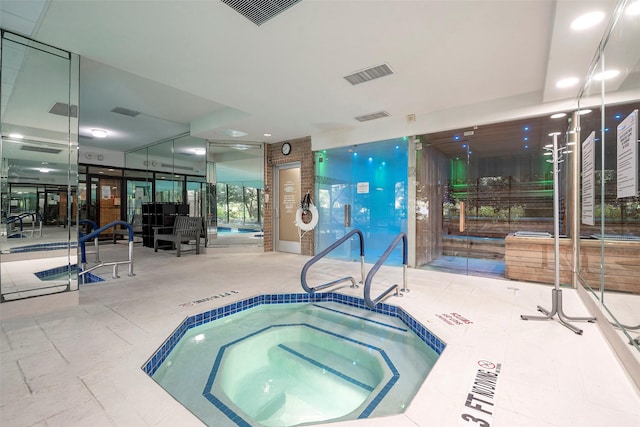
{"points": [[461, 217], [347, 215]]}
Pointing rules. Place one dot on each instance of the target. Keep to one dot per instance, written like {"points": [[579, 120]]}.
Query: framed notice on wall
{"points": [[628, 156], [588, 179], [106, 192]]}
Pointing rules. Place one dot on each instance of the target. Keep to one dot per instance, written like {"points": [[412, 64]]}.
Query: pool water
{"points": [[288, 364]]}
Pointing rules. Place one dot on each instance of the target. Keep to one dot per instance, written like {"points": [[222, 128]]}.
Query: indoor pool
{"points": [[285, 364]]}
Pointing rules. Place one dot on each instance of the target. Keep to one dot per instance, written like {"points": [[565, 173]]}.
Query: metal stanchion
{"points": [[556, 293]]}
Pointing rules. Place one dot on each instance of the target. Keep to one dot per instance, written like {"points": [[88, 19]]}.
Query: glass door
{"points": [[362, 187], [458, 212]]}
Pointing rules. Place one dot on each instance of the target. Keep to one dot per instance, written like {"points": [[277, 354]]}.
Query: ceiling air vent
{"points": [[372, 116], [369, 74], [260, 11], [125, 111], [40, 149], [62, 109]]}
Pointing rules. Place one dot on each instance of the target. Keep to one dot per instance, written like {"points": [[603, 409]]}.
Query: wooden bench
{"points": [[184, 230]]}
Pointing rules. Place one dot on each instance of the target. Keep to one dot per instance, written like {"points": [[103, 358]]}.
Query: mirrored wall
{"points": [[171, 171], [236, 192], [39, 173], [610, 203]]}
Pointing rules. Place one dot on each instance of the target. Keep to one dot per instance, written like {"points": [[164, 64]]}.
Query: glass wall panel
{"points": [[362, 187], [476, 187], [39, 171], [139, 191], [196, 196], [610, 223], [169, 188]]}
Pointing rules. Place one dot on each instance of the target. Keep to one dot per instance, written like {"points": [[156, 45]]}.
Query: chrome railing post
{"points": [[308, 264], [367, 284]]}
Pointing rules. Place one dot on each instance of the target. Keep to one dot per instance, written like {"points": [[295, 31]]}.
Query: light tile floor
{"points": [[80, 366]]}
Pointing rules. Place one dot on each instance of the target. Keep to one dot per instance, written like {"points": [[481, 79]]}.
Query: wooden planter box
{"points": [[532, 259]]}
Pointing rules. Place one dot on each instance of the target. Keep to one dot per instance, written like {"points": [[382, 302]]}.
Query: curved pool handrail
{"points": [[305, 268], [83, 253], [34, 215], [94, 235], [367, 283]]}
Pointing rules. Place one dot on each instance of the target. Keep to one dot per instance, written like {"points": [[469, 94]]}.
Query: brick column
{"points": [[300, 152]]}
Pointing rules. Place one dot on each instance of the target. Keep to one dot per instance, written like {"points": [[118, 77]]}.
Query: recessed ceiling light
{"points": [[585, 111], [587, 20], [45, 170], [606, 75], [267, 134], [633, 9], [558, 115], [235, 133], [200, 151], [568, 82], [16, 135], [99, 133]]}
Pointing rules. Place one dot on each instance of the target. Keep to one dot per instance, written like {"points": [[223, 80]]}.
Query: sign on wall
{"points": [[628, 156], [588, 179]]}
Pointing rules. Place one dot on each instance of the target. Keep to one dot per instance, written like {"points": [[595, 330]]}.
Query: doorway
{"points": [[287, 199], [363, 187]]}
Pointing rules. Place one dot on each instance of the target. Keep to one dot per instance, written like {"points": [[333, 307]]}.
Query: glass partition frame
{"points": [[616, 219], [40, 93]]}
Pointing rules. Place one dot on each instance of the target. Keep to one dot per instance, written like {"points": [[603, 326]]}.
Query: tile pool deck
{"points": [[81, 366]]}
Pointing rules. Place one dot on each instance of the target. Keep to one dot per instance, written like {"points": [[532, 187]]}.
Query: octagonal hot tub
{"points": [[285, 360]]}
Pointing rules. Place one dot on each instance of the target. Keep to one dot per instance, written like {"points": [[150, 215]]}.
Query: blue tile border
{"points": [[364, 319], [153, 363], [43, 247], [46, 274], [326, 368], [231, 414]]}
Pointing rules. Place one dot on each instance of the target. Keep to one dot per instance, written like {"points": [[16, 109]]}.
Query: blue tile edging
{"points": [[44, 247], [153, 363], [73, 269]]}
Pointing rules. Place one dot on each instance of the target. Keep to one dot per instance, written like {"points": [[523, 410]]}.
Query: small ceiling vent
{"points": [[125, 111], [62, 109], [369, 74], [260, 11], [40, 149], [372, 116]]}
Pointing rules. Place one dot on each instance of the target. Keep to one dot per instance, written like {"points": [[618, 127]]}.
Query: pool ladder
{"points": [[93, 235], [334, 245], [371, 303]]}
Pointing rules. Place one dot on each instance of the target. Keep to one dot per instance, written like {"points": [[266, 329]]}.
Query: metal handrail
{"points": [[303, 274], [96, 244], [367, 283], [20, 217], [93, 235]]}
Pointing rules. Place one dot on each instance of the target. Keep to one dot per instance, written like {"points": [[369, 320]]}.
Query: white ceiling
{"points": [[200, 67]]}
